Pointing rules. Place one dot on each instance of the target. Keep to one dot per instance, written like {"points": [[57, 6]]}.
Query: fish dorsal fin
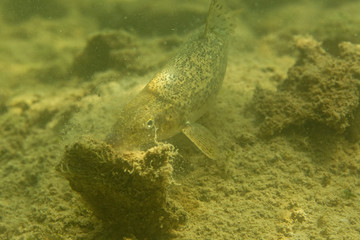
{"points": [[202, 138]]}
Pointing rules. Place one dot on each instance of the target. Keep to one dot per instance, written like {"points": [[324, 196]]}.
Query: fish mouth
{"points": [[116, 143], [113, 139], [119, 142]]}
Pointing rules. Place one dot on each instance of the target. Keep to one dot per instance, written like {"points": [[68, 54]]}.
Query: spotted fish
{"points": [[181, 92]]}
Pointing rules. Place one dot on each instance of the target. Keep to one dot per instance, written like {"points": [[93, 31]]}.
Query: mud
{"points": [[122, 52]]}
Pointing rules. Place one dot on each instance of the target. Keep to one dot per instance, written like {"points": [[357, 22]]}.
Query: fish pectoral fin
{"points": [[202, 138]]}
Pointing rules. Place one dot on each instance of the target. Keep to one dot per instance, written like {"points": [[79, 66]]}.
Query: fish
{"points": [[181, 92]]}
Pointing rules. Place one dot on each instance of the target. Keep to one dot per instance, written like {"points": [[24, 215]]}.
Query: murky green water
{"points": [[286, 119]]}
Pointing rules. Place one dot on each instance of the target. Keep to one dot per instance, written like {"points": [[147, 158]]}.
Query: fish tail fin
{"points": [[218, 20]]}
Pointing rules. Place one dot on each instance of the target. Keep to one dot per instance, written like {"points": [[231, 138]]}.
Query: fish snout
{"points": [[113, 139]]}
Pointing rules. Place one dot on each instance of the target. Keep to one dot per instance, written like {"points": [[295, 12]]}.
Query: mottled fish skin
{"points": [[182, 91]]}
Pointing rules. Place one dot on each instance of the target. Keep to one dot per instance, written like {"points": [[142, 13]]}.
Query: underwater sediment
{"points": [[298, 179], [320, 88]]}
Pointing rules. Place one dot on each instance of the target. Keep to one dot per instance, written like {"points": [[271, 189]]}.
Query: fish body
{"points": [[181, 92]]}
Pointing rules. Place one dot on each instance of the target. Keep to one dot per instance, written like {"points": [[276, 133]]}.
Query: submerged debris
{"points": [[127, 191], [320, 88]]}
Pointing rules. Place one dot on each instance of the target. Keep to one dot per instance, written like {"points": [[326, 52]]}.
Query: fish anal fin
{"points": [[202, 138]]}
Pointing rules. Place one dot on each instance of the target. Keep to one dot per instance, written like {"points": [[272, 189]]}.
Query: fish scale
{"points": [[181, 92]]}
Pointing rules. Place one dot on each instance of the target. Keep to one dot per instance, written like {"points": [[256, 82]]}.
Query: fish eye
{"points": [[149, 124]]}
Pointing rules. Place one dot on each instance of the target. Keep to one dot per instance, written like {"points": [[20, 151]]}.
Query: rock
{"points": [[127, 191], [320, 89]]}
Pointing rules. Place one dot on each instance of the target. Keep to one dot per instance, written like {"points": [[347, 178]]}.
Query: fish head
{"points": [[143, 126], [133, 128], [146, 119]]}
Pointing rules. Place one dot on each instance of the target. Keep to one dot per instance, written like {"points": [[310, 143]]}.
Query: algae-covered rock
{"points": [[127, 191], [320, 88]]}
